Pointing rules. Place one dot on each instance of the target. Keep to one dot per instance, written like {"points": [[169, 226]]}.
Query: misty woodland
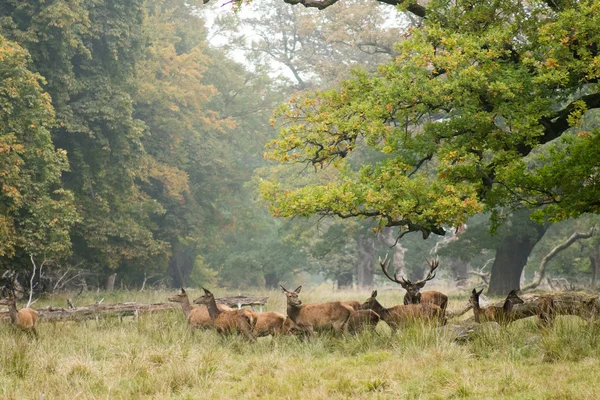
{"points": [[325, 199]]}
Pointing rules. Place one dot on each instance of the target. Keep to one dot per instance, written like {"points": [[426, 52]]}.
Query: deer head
{"points": [[372, 304], [413, 295], [179, 297], [205, 299], [514, 298], [292, 297], [474, 299]]}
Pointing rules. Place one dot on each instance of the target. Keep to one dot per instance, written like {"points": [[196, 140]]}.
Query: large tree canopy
{"points": [[475, 113], [35, 212]]}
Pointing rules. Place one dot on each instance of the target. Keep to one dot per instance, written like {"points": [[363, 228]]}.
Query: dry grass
{"points": [[156, 357]]}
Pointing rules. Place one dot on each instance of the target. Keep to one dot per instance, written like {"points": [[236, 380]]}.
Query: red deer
{"points": [[197, 317], [355, 305], [362, 319], [25, 318], [316, 316], [270, 323], [502, 315], [398, 316], [413, 294], [241, 321]]}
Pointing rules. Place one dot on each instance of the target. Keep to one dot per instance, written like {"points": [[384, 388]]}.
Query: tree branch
{"points": [[542, 270], [414, 8], [556, 125]]}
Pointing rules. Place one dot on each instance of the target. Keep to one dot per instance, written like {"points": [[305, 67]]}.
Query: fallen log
{"points": [[97, 311], [548, 305], [125, 309]]}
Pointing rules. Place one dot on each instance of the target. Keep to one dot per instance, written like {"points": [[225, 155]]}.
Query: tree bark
{"points": [[366, 268], [595, 264], [110, 282], [181, 264], [512, 253], [344, 280], [271, 280]]}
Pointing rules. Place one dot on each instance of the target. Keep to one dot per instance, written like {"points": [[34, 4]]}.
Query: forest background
{"points": [[132, 140]]}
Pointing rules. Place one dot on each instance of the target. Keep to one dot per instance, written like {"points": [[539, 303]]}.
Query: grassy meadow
{"points": [[157, 358]]}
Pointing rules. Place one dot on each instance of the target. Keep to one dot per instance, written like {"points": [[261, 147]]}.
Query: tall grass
{"points": [[157, 357]]}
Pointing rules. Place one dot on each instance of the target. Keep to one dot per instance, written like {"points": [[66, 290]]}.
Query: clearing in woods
{"points": [[156, 357]]}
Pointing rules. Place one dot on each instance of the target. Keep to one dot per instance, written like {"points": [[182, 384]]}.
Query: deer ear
{"points": [[374, 293], [284, 290], [298, 289], [182, 290], [474, 292], [481, 291], [206, 291], [420, 285]]}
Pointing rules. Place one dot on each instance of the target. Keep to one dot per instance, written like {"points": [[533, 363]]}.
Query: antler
{"points": [[433, 264], [384, 265]]}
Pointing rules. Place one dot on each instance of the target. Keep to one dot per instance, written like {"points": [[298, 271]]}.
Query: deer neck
{"points": [[508, 305], [12, 311], [476, 310], [381, 310], [186, 307], [213, 310], [293, 311]]}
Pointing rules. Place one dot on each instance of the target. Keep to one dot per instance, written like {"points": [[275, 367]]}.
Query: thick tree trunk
{"points": [[460, 271], [110, 282], [512, 253], [387, 238], [181, 265], [595, 263], [344, 280], [366, 267], [271, 280]]}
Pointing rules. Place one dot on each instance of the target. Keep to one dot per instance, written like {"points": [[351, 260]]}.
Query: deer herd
{"points": [[337, 316]]}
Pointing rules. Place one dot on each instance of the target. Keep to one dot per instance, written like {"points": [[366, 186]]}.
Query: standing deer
{"points": [[25, 318], [404, 314], [413, 294], [242, 321], [197, 317], [316, 316], [502, 315]]}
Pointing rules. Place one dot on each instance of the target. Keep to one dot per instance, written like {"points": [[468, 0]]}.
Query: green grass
{"points": [[156, 357]]}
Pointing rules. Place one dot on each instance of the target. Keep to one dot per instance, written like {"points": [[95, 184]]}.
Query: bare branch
{"points": [[31, 281], [542, 270]]}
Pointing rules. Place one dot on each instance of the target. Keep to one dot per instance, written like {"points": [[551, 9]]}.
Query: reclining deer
{"points": [[197, 317], [402, 315], [320, 316], [413, 294], [242, 321], [502, 315]]}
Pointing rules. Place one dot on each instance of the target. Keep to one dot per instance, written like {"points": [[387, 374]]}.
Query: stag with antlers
{"points": [[413, 290]]}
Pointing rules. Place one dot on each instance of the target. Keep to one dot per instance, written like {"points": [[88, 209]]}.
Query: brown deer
{"points": [[316, 316], [24, 319], [362, 319], [197, 317], [502, 315], [270, 323], [398, 316], [413, 294], [355, 305], [241, 321]]}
